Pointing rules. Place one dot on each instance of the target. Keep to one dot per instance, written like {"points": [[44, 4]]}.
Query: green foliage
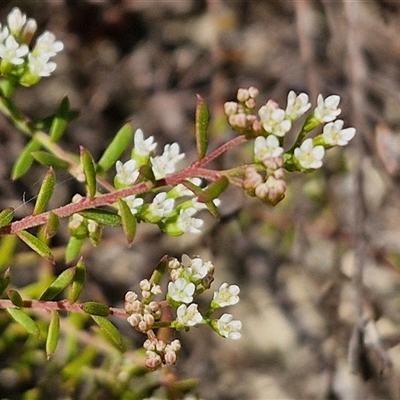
{"points": [[202, 119]]}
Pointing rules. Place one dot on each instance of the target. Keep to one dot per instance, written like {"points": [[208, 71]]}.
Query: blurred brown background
{"points": [[319, 274]]}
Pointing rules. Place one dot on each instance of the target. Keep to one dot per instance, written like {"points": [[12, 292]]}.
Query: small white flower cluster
{"points": [[173, 211], [188, 278], [26, 61], [269, 127]]}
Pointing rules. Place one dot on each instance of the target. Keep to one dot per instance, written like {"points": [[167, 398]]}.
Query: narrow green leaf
{"points": [[89, 170], [25, 159], [8, 244], [95, 308], [49, 160], [45, 192], [214, 189], [121, 141], [53, 334], [213, 209], [36, 245], [201, 127], [73, 248], [6, 216], [78, 281], [111, 331], [4, 280], [52, 225], [102, 217], [128, 221], [15, 297], [25, 320], [59, 284], [60, 121]]}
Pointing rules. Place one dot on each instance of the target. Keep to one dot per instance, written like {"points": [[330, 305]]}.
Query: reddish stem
{"points": [[62, 305]]}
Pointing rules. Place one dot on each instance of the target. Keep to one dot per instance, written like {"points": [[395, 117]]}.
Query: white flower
{"points": [[265, 147], [12, 52], [47, 45], [188, 316], [309, 156], [195, 269], [4, 33], [227, 295], [228, 328], [40, 65], [327, 110], [181, 291], [161, 206], [334, 135], [127, 173], [273, 119], [16, 20], [133, 203], [166, 163], [297, 105], [143, 147], [186, 222]]}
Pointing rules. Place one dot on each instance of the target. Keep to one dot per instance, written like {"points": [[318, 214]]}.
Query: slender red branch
{"points": [[193, 170], [62, 305]]}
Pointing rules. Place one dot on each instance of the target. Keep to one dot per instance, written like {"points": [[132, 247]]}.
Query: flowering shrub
{"points": [[150, 187]]}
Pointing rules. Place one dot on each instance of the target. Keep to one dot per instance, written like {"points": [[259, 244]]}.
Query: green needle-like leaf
{"points": [[78, 281], [111, 331], [52, 225], [25, 320], [45, 192], [59, 284], [53, 334], [15, 297], [94, 308], [128, 221], [36, 245], [89, 170], [73, 248], [6, 216], [25, 159], [49, 160], [102, 217], [201, 127], [111, 155], [61, 119]]}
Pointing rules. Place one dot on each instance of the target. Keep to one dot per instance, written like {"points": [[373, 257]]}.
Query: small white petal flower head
{"points": [[12, 52], [266, 147], [227, 295], [40, 65], [161, 206], [166, 163], [186, 222], [127, 173], [143, 147], [327, 110], [297, 105], [229, 328], [47, 45], [4, 33], [195, 269], [181, 291], [16, 20], [334, 135], [309, 156], [273, 119], [133, 203], [188, 316]]}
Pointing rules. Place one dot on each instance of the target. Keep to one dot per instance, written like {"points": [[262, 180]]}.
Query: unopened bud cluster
{"points": [[268, 125], [22, 60], [189, 277]]}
